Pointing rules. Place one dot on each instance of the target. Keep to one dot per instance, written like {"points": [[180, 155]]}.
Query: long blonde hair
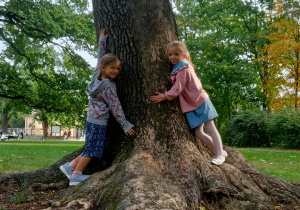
{"points": [[107, 60], [181, 46]]}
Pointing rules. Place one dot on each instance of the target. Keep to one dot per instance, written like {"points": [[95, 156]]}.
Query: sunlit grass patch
{"points": [[26, 155], [284, 164]]}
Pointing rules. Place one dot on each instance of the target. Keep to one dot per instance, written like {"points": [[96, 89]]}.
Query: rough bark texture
{"points": [[163, 166], [45, 128], [5, 123]]}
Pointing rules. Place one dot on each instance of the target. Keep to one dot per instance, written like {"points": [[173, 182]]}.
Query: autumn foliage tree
{"points": [[283, 55]]}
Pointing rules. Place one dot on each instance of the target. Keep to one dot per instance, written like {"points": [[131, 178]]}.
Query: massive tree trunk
{"points": [[163, 166]]}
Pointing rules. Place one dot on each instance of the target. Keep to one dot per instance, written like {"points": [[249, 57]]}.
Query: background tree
{"points": [[12, 114], [38, 62], [162, 167], [283, 54], [4, 115], [44, 118]]}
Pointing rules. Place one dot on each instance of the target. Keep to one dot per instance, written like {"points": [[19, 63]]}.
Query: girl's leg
{"points": [[68, 168], [74, 162], [216, 138], [83, 162], [206, 139]]}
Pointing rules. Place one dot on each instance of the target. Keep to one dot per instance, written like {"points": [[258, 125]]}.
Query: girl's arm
{"points": [[115, 107], [101, 47], [177, 88]]}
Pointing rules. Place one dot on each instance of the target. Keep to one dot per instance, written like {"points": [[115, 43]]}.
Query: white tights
{"points": [[214, 142]]}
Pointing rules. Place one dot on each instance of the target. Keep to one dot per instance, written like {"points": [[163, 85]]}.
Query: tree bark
{"points": [[6, 117], [5, 122], [45, 125], [163, 166]]}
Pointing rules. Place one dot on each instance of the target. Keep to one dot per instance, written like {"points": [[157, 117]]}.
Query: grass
{"points": [[284, 164], [26, 155]]}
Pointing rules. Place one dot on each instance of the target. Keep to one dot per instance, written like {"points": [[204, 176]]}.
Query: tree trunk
{"points": [[163, 166], [45, 128], [5, 122], [5, 119]]}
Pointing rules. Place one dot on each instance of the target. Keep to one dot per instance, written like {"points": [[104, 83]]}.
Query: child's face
{"points": [[175, 55], [111, 71]]}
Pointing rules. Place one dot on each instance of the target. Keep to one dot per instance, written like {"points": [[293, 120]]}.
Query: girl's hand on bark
{"points": [[156, 99]]}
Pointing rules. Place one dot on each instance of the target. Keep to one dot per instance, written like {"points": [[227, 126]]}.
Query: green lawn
{"points": [[24, 155], [284, 164]]}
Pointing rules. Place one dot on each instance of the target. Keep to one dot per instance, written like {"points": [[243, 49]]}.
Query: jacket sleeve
{"points": [[115, 107], [178, 86], [101, 50]]}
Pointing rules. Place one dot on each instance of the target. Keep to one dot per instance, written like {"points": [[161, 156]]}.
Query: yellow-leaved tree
{"points": [[282, 55]]}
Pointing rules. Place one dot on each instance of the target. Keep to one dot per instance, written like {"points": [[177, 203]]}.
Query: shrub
{"points": [[283, 128], [258, 129], [247, 129]]}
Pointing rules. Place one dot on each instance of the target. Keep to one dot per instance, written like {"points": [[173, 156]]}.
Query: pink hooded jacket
{"points": [[187, 86]]}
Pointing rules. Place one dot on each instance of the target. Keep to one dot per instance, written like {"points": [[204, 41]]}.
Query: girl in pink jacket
{"points": [[194, 101]]}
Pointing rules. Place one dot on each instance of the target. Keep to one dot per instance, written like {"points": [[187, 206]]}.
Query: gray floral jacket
{"points": [[103, 97]]}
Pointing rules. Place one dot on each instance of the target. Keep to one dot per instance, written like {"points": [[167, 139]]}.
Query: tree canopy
{"points": [[39, 63], [234, 45]]}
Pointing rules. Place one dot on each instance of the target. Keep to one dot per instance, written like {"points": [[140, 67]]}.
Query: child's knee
{"points": [[199, 133]]}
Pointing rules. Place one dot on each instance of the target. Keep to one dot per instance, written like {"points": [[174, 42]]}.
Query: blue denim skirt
{"points": [[94, 140], [204, 113]]}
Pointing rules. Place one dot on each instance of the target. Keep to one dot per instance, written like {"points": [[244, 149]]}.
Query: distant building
{"points": [[34, 129]]}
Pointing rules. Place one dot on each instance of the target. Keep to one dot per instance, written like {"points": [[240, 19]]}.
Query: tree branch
{"points": [[12, 17]]}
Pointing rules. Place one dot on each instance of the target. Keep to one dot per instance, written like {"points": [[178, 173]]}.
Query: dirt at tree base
{"points": [[47, 196], [39, 196]]}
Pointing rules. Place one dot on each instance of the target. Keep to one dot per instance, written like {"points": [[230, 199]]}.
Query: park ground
{"points": [[283, 164]]}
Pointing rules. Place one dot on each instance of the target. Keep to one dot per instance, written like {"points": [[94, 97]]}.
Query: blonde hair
{"points": [[181, 46], [107, 60]]}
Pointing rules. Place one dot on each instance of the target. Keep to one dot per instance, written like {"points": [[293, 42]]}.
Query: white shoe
{"points": [[217, 161], [225, 153]]}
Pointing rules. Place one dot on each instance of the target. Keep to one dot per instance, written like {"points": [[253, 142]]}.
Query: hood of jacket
{"points": [[96, 85]]}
